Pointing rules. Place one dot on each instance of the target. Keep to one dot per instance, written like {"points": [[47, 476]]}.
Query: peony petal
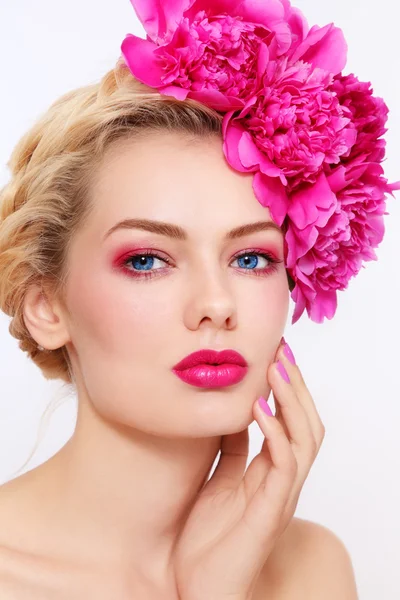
{"points": [[251, 156], [143, 64], [174, 91], [260, 11], [263, 60], [283, 39], [313, 204], [217, 100], [256, 11], [377, 226], [319, 303], [300, 303], [298, 24], [271, 193], [391, 187], [232, 137], [307, 264], [324, 306], [325, 48], [160, 18], [314, 36], [337, 179], [212, 7], [249, 103], [226, 121], [299, 243], [271, 15], [344, 176]]}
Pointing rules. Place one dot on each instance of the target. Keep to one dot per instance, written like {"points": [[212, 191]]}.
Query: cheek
{"points": [[113, 316], [264, 312], [265, 324], [269, 303]]}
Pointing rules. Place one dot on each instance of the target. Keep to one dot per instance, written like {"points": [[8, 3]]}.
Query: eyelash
{"points": [[150, 274]]}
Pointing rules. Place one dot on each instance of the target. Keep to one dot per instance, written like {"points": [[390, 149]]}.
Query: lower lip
{"points": [[210, 376]]}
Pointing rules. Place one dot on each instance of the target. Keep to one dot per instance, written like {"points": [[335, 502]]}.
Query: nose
{"points": [[211, 300]]}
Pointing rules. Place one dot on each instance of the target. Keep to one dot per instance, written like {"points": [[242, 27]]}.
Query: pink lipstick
{"points": [[209, 369]]}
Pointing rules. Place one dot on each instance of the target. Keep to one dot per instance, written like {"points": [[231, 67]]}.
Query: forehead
{"points": [[170, 177]]}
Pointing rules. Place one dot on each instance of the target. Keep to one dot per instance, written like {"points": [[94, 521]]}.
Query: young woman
{"points": [[141, 268]]}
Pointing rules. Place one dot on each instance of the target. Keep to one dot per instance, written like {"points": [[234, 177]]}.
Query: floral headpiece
{"points": [[310, 135]]}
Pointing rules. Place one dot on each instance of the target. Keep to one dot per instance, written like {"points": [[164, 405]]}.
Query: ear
{"points": [[45, 318]]}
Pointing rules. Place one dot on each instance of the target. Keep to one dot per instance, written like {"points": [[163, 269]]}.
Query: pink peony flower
{"points": [[295, 121], [335, 224], [210, 51], [326, 248], [310, 135], [368, 113], [334, 199]]}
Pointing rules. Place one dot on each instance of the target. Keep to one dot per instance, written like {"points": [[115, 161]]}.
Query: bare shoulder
{"points": [[16, 502], [20, 568], [15, 576], [309, 562]]}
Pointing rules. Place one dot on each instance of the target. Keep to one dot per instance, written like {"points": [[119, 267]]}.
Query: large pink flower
{"points": [[210, 50], [310, 135], [293, 125], [328, 243], [368, 113], [334, 204], [295, 121]]}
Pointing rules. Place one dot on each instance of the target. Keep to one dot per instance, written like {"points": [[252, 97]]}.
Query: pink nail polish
{"points": [[264, 405], [282, 371], [289, 354]]}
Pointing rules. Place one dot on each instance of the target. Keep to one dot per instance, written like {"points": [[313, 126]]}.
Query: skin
{"points": [[112, 500]]}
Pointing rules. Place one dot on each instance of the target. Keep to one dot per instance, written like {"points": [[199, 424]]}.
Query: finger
{"points": [[304, 444], [296, 420], [257, 470], [302, 391], [278, 412], [263, 513], [279, 416], [232, 462], [296, 425]]}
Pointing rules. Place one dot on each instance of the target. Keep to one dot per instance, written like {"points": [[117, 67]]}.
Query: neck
{"points": [[117, 496]]}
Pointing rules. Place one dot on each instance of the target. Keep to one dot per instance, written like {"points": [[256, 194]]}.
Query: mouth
{"points": [[208, 368], [212, 358]]}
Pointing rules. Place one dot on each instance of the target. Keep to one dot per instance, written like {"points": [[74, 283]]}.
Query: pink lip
{"points": [[208, 368]]}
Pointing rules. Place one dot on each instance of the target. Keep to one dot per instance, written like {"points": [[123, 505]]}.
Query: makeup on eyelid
{"points": [[132, 248], [128, 252]]}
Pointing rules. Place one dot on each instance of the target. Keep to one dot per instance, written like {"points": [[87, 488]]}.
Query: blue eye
{"points": [[249, 260], [141, 264]]}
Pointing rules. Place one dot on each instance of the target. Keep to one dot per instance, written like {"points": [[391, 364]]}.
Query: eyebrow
{"points": [[178, 233]]}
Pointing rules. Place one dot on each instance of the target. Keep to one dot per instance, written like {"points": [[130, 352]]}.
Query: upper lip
{"points": [[207, 356]]}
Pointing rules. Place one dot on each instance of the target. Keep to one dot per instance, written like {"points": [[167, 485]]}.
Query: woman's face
{"points": [[130, 320]]}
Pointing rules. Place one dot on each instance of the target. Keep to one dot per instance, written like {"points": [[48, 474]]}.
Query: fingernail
{"points": [[289, 354], [264, 405], [282, 371]]}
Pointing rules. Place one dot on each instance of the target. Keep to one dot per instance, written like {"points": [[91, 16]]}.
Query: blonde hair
{"points": [[45, 201]]}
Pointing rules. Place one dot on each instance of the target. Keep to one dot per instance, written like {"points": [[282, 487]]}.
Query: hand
{"points": [[238, 516]]}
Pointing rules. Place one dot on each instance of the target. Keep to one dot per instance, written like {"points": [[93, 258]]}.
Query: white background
{"points": [[351, 364]]}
